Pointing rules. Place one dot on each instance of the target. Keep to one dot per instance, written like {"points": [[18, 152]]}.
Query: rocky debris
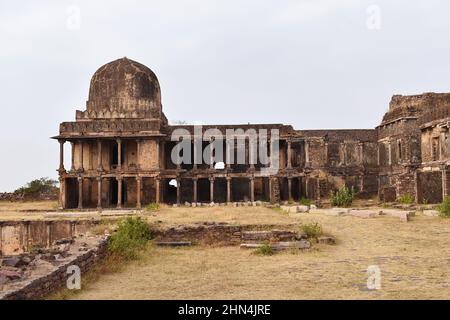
{"points": [[363, 213], [302, 209], [404, 216], [10, 275], [431, 213], [173, 243], [11, 262], [326, 240], [64, 241]]}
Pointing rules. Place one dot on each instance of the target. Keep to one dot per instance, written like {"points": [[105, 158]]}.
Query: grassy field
{"points": [[414, 259], [25, 210]]}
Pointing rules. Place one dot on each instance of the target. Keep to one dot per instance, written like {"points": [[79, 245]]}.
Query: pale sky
{"points": [[312, 64]]}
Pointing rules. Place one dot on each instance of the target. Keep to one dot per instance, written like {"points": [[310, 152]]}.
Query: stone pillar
{"points": [[80, 193], [138, 192], [252, 189], [307, 162], [194, 197], [194, 150], [229, 148], [178, 191], [306, 187], [211, 156], [251, 152], [72, 145], [157, 189], [99, 193], [81, 156], [289, 154], [61, 156], [300, 187], [228, 189], [138, 152], [119, 154], [289, 189], [62, 193], [99, 156], [211, 189], [318, 188], [119, 192]]}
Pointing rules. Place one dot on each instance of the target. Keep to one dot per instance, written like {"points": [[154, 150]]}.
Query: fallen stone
{"points": [[64, 241], [302, 209], [11, 262], [363, 213], [284, 245], [326, 240], [431, 213], [11, 275], [313, 207], [3, 280]]}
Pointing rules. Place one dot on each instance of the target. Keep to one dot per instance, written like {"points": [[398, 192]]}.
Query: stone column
{"points": [[228, 189], [194, 150], [80, 193], [194, 182], [229, 148], [119, 192], [81, 156], [252, 189], [119, 154], [251, 152], [307, 162], [289, 189], [138, 192], [62, 193], [289, 154], [72, 145], [99, 155], [61, 155], [211, 156], [99, 193], [138, 152], [211, 189], [157, 189], [178, 191], [300, 187], [306, 187]]}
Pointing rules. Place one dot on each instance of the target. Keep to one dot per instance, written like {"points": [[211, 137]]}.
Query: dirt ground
{"points": [[414, 259]]}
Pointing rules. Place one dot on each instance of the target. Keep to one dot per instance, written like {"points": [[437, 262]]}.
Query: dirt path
{"points": [[414, 259]]}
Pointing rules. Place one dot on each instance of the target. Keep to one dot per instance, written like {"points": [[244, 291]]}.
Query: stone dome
{"points": [[124, 89]]}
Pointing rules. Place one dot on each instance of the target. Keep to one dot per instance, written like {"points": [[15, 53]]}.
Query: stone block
{"points": [[302, 209]]}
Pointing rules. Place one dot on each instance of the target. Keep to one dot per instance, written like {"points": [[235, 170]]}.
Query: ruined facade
{"points": [[122, 146]]}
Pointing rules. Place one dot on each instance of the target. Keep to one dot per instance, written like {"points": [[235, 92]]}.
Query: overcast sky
{"points": [[312, 64]]}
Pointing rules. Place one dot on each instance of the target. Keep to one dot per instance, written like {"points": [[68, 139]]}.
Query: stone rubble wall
{"points": [[41, 286]]}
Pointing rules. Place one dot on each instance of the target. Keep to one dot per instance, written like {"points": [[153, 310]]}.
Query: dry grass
{"points": [[413, 257], [25, 209], [233, 215]]}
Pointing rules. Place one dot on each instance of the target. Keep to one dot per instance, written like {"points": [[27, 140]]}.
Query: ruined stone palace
{"points": [[121, 152]]}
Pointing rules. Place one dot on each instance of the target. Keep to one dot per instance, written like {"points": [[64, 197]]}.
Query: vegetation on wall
{"points": [[444, 207], [343, 197], [406, 199]]}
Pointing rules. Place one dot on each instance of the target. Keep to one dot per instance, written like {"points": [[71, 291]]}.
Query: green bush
{"points": [[312, 230], [406, 199], [444, 207], [152, 206], [38, 186], [305, 201], [131, 236], [343, 197], [264, 250]]}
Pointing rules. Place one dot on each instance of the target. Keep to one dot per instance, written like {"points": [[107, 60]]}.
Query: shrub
{"points": [[38, 186], [152, 206], [444, 207], [305, 201], [406, 199], [343, 197], [312, 230], [264, 250], [131, 236]]}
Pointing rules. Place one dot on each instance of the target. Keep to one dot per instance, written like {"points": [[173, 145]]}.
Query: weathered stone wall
{"points": [[40, 286], [17, 237]]}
